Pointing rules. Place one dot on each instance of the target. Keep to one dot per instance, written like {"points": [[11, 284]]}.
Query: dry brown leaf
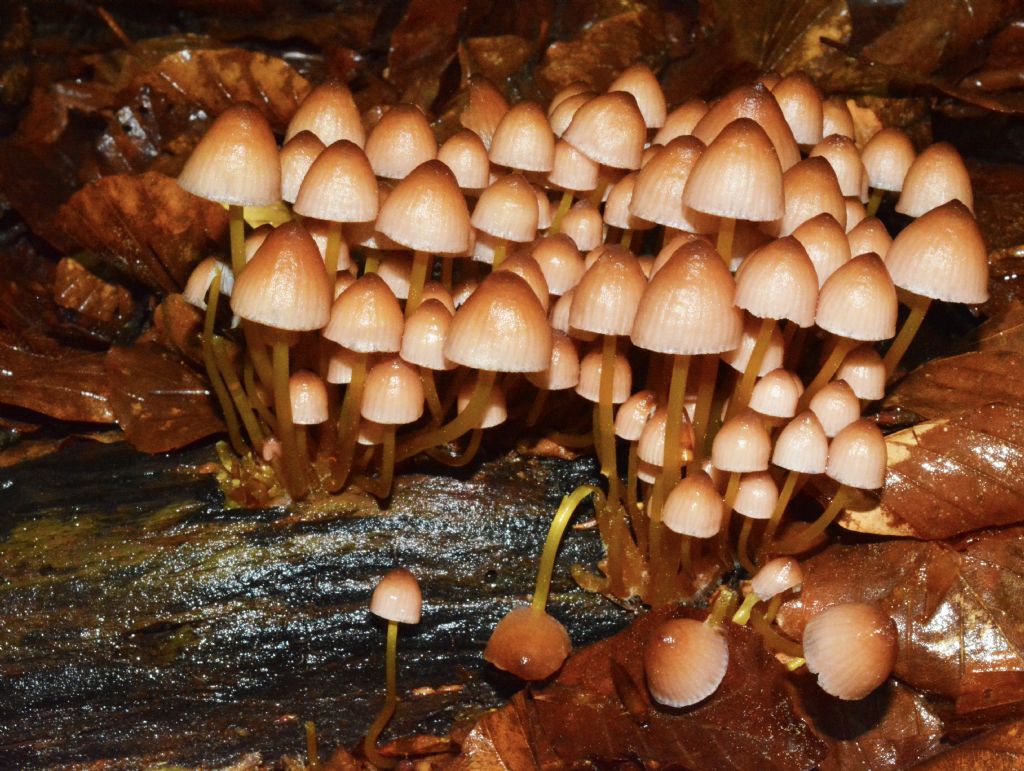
{"points": [[146, 226], [76, 288]]}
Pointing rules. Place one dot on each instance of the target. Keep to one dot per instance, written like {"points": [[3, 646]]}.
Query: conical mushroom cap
{"points": [[778, 281], [937, 176], [609, 129], [606, 298], [508, 209], [339, 186], [329, 112], [859, 301], [756, 103], [694, 507], [397, 597], [660, 184], [427, 212], [639, 81], [366, 317], [400, 142], [523, 139]]}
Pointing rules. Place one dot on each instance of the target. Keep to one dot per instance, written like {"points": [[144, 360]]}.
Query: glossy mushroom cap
{"points": [[561, 116], [937, 176], [397, 597], [426, 331], [887, 157], [777, 576], [529, 271], [485, 110], [737, 176], [617, 211], [863, 371], [285, 285], [584, 225], [756, 103], [589, 386], [560, 262], [778, 281], [427, 211], [859, 301], [869, 235], [400, 142], [802, 445], [507, 209], [501, 327], [651, 446], [393, 394], [308, 396], [941, 255], [606, 298], [742, 444], [694, 507], [574, 88], [609, 129], [339, 186], [844, 158], [825, 243], [199, 280], [756, 495], [681, 121], [659, 188], [366, 317], [495, 409], [800, 102], [297, 156], [836, 118], [851, 647], [836, 406], [857, 456], [465, 154], [739, 357], [330, 113], [684, 662], [639, 81], [236, 162], [572, 170], [776, 394], [633, 415], [811, 188], [563, 371], [528, 643], [523, 139]]}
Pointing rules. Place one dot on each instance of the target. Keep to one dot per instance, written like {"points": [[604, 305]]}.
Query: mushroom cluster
{"points": [[711, 283]]}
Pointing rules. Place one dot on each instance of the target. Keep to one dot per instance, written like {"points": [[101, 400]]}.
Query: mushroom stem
{"points": [[381, 487], [722, 608], [627, 238], [672, 457], [806, 538], [631, 476], [348, 422], [742, 615], [463, 458], [726, 230], [258, 353], [241, 401], [447, 269], [539, 403], [294, 477], [312, 752], [773, 608], [499, 253], [468, 419], [731, 488], [563, 208], [333, 248], [842, 347], [686, 555], [547, 558], [741, 547], [772, 639], [604, 427], [254, 398], [236, 225], [741, 396], [302, 443], [780, 507], [371, 261], [420, 268], [918, 308], [390, 702], [212, 373], [702, 409], [874, 202], [430, 391]]}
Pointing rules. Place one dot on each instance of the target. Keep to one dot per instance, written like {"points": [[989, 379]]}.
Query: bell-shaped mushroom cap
{"points": [[199, 280], [340, 364], [851, 647], [651, 447], [634, 414], [609, 129], [543, 209], [756, 495], [756, 103], [397, 597], [617, 206], [639, 81], [529, 271], [427, 211], [811, 188], [574, 88], [297, 156], [528, 643], [561, 116], [694, 507], [684, 662], [802, 445], [485, 110], [308, 396], [366, 317], [584, 225], [836, 406], [329, 112], [320, 231], [572, 170], [560, 262], [606, 298], [393, 393], [426, 331], [339, 186], [401, 141], [285, 285], [739, 357], [941, 255], [742, 444], [255, 240], [681, 121], [857, 456], [464, 153], [937, 176], [396, 270], [844, 158], [778, 281], [836, 118], [887, 157], [869, 235], [523, 139], [863, 371], [859, 301], [777, 576], [501, 327], [855, 213], [687, 308], [563, 371], [673, 242], [495, 409], [776, 394], [507, 209], [737, 176], [463, 290], [800, 102], [236, 162], [660, 184], [589, 386], [825, 243]]}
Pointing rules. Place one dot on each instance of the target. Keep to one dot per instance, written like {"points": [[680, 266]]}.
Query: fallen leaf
{"points": [[999, 749], [422, 46], [177, 326], [580, 719], [145, 226], [160, 403], [1003, 332], [957, 609], [497, 58], [75, 288], [944, 387]]}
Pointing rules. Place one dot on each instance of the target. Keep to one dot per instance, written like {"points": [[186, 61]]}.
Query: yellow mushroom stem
{"points": [[312, 751], [604, 423], [430, 391], [257, 353], [212, 372], [706, 378], [555, 532], [380, 487], [874, 202], [465, 457], [302, 443], [742, 545], [295, 480], [726, 231], [686, 556], [236, 228], [918, 308], [632, 480], [563, 209], [731, 488], [333, 249], [471, 417], [842, 347], [537, 408], [421, 264], [238, 396], [772, 639], [627, 238], [371, 261], [785, 495], [499, 253], [348, 423], [742, 615], [262, 409], [722, 608], [773, 608], [390, 702], [741, 395], [805, 538]]}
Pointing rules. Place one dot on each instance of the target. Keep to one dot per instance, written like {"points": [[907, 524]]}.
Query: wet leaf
{"points": [[497, 58], [41, 375], [75, 288], [1004, 332], [160, 403], [999, 749], [422, 46], [176, 326], [957, 608], [944, 387], [581, 718], [146, 226]]}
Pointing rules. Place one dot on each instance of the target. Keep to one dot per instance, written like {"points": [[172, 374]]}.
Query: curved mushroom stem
{"points": [[741, 396], [773, 639], [212, 372], [726, 230], [333, 249], [806, 538], [702, 409], [468, 419], [731, 488], [465, 457], [742, 615], [537, 408], [236, 225], [722, 608], [238, 396], [785, 496], [842, 347], [294, 477], [420, 268], [561, 520], [918, 308], [348, 422], [381, 487], [741, 546], [563, 208], [255, 400], [433, 400], [773, 608], [390, 702], [874, 202]]}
